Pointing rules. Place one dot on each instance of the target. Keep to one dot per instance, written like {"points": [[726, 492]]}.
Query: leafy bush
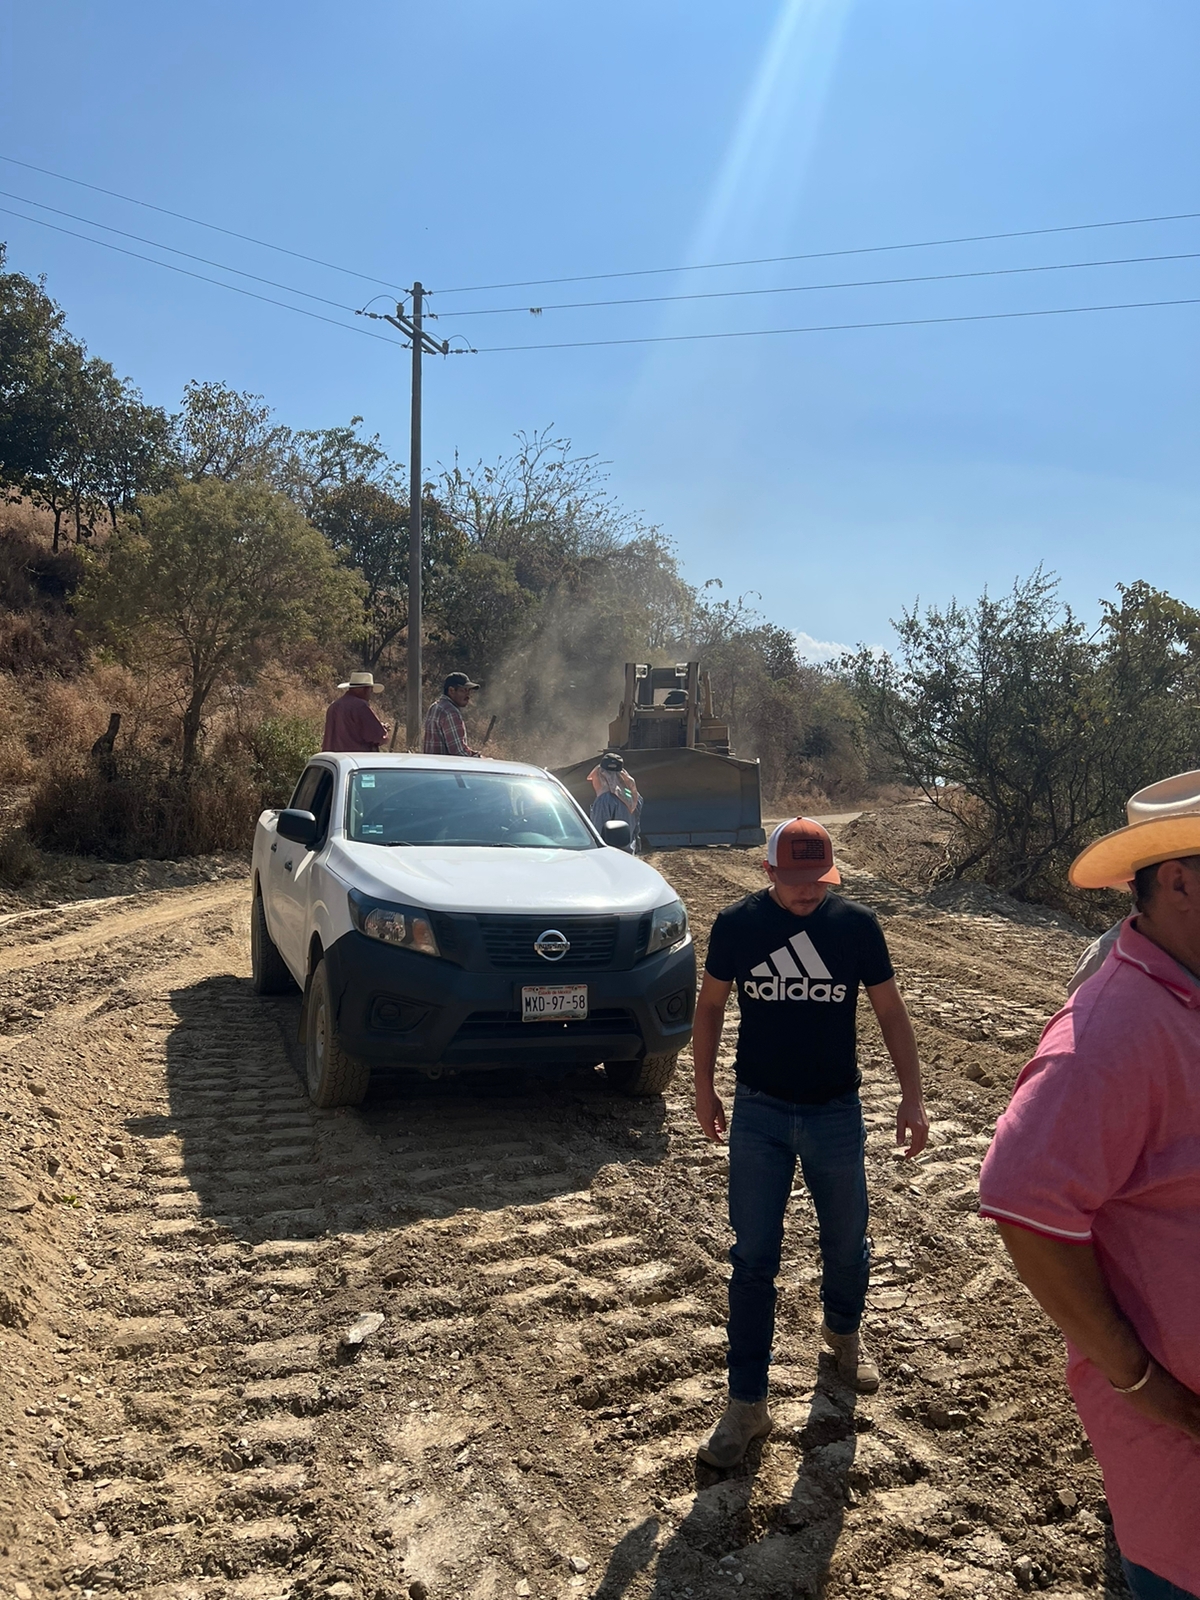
{"points": [[144, 805], [280, 747], [145, 811], [1030, 731]]}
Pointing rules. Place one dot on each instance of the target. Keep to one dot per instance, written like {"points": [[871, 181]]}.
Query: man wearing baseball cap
{"points": [[798, 954], [1094, 1180], [445, 732]]}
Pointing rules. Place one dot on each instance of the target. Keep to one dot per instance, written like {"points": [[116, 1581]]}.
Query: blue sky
{"points": [[837, 474]]}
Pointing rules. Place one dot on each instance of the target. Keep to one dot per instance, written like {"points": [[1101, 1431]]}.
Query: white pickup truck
{"points": [[445, 914]]}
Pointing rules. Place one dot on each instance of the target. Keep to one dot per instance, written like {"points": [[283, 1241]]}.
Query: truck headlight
{"points": [[395, 925], [668, 927]]}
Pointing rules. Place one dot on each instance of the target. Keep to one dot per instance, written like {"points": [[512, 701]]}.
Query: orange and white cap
{"points": [[802, 852]]}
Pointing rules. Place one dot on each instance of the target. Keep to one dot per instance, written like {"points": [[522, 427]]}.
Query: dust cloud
{"points": [[554, 697]]}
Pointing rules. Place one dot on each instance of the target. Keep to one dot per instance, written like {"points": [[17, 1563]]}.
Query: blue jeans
{"points": [[1147, 1585], [765, 1139]]}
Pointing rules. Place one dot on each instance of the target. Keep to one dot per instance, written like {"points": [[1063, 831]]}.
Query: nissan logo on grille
{"points": [[552, 945]]}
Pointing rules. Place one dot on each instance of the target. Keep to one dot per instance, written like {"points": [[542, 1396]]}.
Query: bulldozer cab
{"points": [[667, 708], [694, 791]]}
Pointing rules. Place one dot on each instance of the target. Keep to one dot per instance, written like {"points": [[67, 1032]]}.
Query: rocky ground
{"points": [[185, 1244]]}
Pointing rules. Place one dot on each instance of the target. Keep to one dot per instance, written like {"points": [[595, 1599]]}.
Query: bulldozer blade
{"points": [[690, 797]]}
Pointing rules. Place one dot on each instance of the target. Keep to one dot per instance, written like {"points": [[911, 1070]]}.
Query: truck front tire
{"points": [[642, 1078], [332, 1077], [269, 973]]}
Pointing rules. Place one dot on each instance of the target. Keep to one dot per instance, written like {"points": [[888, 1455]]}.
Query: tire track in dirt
{"points": [[119, 924], [549, 1261]]}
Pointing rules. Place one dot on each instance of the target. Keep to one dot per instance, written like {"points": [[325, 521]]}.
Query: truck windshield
{"points": [[420, 806]]}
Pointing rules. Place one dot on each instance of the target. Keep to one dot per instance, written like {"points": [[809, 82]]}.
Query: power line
{"points": [[803, 288], [833, 327], [188, 273], [823, 255], [578, 305], [596, 277], [591, 344], [158, 245], [198, 222]]}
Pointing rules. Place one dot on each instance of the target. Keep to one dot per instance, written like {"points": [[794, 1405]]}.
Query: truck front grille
{"points": [[509, 941]]}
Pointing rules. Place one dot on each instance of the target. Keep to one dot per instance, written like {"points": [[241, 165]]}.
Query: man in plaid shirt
{"points": [[445, 730]]}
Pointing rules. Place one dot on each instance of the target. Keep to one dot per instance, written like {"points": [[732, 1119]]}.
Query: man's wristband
{"points": [[1142, 1381]]}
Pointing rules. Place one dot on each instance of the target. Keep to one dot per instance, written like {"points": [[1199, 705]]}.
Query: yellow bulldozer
{"points": [[694, 792]]}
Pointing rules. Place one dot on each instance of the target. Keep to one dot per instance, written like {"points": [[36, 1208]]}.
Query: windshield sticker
{"points": [[368, 780]]}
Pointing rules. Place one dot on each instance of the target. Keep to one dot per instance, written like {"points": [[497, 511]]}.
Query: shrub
{"points": [[37, 634], [281, 746], [146, 807], [1029, 730], [19, 861], [145, 811]]}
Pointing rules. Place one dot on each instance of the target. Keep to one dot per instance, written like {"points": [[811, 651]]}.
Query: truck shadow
{"points": [[262, 1162], [752, 1527]]}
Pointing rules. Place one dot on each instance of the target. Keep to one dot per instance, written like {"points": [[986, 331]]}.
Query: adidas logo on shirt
{"points": [[780, 978]]}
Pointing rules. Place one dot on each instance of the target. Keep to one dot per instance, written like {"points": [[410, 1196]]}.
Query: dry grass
{"points": [[145, 812], [256, 742]]}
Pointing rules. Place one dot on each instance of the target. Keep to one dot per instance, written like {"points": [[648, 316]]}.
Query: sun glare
{"points": [[758, 186]]}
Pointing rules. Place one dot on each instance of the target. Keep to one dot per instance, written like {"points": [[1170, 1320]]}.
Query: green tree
{"points": [[325, 459], [213, 580], [552, 587], [368, 528], [1148, 686], [221, 433], [31, 336], [351, 491], [1027, 729], [74, 437], [107, 447], [543, 509], [480, 611]]}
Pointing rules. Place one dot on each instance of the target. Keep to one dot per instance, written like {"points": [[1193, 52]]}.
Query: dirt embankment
{"points": [[185, 1241]]}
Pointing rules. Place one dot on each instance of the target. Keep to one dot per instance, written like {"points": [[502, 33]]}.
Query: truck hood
{"points": [[467, 878]]}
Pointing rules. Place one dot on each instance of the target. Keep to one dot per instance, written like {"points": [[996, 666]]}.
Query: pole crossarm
{"points": [[431, 346]]}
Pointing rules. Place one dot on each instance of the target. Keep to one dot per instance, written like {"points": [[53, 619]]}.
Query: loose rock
{"points": [[362, 1328]]}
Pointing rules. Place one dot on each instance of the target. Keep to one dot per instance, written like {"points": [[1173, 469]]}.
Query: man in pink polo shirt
{"points": [[1094, 1180]]}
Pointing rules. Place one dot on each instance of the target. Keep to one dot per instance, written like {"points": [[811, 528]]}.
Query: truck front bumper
{"points": [[395, 1008]]}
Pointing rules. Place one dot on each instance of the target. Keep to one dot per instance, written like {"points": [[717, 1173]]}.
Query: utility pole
{"points": [[421, 344]]}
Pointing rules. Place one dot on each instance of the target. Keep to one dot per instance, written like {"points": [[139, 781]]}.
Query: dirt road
{"points": [[184, 1241]]}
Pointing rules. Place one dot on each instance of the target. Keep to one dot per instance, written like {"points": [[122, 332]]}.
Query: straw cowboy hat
{"points": [[1164, 823], [362, 680]]}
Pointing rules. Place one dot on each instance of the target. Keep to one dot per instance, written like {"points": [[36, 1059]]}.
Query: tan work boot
{"points": [[854, 1362], [744, 1421]]}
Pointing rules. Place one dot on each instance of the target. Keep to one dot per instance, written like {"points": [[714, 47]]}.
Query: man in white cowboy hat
{"points": [[1094, 1180], [350, 724]]}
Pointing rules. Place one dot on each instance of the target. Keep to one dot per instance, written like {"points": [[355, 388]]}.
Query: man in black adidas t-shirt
{"points": [[798, 955]]}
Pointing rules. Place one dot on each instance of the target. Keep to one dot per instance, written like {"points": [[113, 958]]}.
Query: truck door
{"points": [[291, 868]]}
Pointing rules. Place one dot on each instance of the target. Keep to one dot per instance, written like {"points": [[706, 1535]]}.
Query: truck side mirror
{"points": [[618, 834], [298, 826]]}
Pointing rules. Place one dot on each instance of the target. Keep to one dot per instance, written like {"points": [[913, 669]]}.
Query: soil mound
{"points": [[909, 845]]}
